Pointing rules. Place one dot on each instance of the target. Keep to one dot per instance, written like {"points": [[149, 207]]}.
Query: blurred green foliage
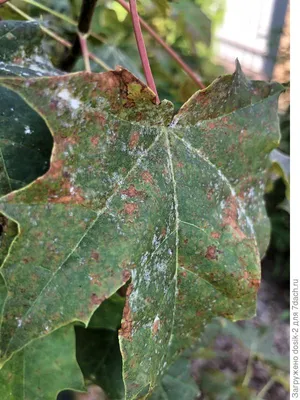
{"points": [[240, 362], [186, 25], [277, 262]]}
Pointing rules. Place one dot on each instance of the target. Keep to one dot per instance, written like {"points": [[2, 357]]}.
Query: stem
{"points": [[85, 52], [56, 37], [79, 45], [265, 389], [248, 373], [142, 48], [168, 49]]}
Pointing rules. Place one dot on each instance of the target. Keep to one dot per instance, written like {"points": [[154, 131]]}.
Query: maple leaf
{"points": [[133, 193]]}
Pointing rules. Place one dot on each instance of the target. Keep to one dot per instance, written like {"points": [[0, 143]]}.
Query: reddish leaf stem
{"points": [[142, 48], [84, 51], [168, 49]]}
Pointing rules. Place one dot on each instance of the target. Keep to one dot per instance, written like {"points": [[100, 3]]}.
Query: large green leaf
{"points": [[42, 369], [132, 194]]}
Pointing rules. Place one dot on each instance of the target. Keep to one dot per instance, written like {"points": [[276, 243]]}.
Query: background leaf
{"points": [[42, 369], [25, 140], [177, 383], [99, 357]]}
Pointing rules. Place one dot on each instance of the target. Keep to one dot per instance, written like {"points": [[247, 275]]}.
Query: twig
{"points": [[248, 373], [85, 52], [79, 45], [168, 49], [56, 37], [61, 16], [142, 48], [265, 389]]}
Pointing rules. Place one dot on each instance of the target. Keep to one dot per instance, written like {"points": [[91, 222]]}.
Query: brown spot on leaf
{"points": [[246, 275], [53, 105], [147, 177], [211, 253], [155, 326], [243, 261], [95, 300], [126, 325], [26, 260], [254, 283], [101, 120], [130, 208], [94, 140], [133, 140], [179, 164], [209, 194], [55, 169], [77, 199], [126, 275], [95, 256], [17, 60], [95, 279], [132, 192], [215, 235], [231, 217]]}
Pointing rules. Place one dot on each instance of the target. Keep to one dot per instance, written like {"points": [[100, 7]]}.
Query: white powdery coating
{"points": [[27, 130], [65, 95]]}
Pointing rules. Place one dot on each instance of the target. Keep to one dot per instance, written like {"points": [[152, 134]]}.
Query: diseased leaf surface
{"points": [[132, 194], [234, 123]]}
